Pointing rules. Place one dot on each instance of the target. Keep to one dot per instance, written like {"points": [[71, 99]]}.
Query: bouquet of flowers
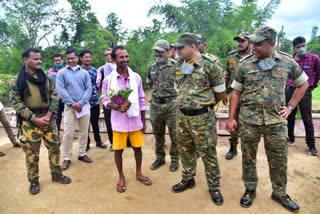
{"points": [[120, 98]]}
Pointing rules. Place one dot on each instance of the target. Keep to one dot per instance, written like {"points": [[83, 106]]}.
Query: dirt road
{"points": [[93, 187]]}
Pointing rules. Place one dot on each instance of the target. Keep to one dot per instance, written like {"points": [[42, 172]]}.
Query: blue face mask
{"points": [[187, 68], [161, 60], [266, 64], [301, 51], [58, 65]]}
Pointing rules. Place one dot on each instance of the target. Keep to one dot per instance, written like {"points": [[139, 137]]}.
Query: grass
{"points": [[316, 99]]}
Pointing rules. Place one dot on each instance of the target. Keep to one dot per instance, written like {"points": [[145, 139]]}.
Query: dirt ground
{"points": [[93, 185]]}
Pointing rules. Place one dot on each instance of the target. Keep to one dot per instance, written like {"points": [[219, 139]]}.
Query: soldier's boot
{"points": [[286, 202], [34, 187], [232, 152], [60, 178]]}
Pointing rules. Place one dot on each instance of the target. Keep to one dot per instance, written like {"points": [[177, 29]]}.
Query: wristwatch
{"points": [[290, 107]]}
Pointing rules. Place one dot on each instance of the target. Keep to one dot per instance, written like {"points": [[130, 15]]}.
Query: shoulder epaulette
{"points": [[173, 61], [246, 57], [232, 52], [210, 57], [284, 53]]}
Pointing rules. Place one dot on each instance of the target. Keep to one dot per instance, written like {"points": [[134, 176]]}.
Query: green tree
{"points": [[114, 25], [29, 22]]}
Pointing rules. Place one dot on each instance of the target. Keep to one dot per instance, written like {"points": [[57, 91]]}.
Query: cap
{"points": [[186, 39], [263, 33], [242, 35], [162, 45], [203, 38]]}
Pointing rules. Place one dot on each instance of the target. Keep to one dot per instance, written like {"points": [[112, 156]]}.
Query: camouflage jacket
{"points": [[162, 79], [33, 102], [263, 92], [197, 89], [231, 67]]}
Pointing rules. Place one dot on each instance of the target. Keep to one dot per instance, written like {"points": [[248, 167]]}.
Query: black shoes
{"points": [[286, 202], [157, 164], [65, 164], [60, 178], [183, 185], [313, 151], [34, 187], [174, 166], [247, 198], [101, 145], [232, 152], [216, 197]]}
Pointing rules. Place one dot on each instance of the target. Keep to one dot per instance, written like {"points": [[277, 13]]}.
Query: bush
{"points": [[5, 89]]}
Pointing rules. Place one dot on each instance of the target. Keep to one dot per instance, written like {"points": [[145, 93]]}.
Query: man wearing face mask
{"points": [[200, 85], [161, 77], [243, 50], [259, 92], [310, 64], [58, 65]]}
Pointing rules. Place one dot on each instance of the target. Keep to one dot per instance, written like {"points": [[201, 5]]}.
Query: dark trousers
{"points": [[94, 120], [305, 106], [107, 119], [59, 114]]}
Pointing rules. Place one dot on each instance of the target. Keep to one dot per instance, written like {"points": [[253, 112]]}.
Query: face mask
{"points": [[58, 65], [266, 64], [186, 68], [161, 60], [301, 51]]}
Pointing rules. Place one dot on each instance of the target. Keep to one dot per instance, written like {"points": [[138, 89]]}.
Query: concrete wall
{"points": [[222, 116]]}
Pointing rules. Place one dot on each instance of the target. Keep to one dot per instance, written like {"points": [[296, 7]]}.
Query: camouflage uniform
{"points": [[230, 73], [196, 92], [162, 107], [31, 135], [263, 92]]}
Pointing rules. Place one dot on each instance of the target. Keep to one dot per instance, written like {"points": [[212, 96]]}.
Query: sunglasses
{"points": [[158, 52]]}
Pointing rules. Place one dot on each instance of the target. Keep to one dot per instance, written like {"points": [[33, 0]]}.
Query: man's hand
{"points": [[41, 122], [284, 112], [113, 106], [232, 125], [77, 107], [225, 101]]}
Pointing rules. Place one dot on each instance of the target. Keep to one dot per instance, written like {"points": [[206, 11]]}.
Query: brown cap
{"points": [[242, 35], [264, 33], [186, 39]]}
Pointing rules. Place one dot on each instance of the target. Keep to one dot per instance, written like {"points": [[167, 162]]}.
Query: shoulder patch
{"points": [[232, 52], [284, 53], [210, 57], [246, 57]]}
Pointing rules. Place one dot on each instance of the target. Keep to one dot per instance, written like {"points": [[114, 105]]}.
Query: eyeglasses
{"points": [[107, 54]]}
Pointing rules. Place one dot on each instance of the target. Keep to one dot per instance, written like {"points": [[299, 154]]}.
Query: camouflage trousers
{"points": [[31, 137], [198, 134], [162, 115], [276, 147]]}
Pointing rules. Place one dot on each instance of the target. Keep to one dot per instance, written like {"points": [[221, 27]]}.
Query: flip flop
{"points": [[146, 181], [120, 188]]}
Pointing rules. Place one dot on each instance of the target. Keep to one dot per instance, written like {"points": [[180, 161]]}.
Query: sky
{"points": [[298, 17]]}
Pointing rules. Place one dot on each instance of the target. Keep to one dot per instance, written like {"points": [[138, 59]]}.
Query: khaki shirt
{"points": [[263, 92]]}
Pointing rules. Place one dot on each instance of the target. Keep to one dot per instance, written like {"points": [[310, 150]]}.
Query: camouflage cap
{"points": [[202, 38], [264, 33], [242, 35], [186, 39], [162, 45]]}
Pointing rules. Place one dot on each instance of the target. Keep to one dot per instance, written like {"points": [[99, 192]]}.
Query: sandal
{"points": [[145, 180], [121, 188]]}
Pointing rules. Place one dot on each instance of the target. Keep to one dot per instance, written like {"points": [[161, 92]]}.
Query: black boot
{"points": [[183, 185], [247, 198], [232, 152], [34, 187]]}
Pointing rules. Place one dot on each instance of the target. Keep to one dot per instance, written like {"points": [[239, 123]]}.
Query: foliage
{"points": [[4, 89]]}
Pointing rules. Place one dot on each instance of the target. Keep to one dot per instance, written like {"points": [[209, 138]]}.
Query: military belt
{"points": [[39, 111], [196, 112], [163, 100]]}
